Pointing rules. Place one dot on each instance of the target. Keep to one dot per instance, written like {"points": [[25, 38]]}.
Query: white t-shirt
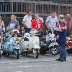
{"points": [[52, 22], [27, 19]]}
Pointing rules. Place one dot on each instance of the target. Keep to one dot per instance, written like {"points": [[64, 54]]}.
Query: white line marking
{"points": [[26, 66], [18, 71]]}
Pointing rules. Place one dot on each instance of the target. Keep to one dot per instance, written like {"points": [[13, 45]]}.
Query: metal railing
{"points": [[20, 7]]}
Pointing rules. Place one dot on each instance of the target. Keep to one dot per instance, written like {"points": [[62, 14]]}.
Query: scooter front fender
{"points": [[53, 44]]}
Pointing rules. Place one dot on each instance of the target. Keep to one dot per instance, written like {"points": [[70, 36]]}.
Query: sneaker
{"points": [[60, 60]]}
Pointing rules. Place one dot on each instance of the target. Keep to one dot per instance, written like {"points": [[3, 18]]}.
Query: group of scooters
{"points": [[28, 43], [37, 43]]}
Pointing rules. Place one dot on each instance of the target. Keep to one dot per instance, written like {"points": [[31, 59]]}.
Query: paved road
{"points": [[45, 63]]}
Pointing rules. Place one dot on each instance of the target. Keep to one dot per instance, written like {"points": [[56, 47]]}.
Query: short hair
{"points": [[61, 16], [29, 11], [52, 12], [13, 16], [36, 14], [68, 15]]}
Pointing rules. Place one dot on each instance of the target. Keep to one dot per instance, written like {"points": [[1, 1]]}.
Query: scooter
{"points": [[1, 41], [10, 46], [30, 44], [69, 44], [48, 43]]}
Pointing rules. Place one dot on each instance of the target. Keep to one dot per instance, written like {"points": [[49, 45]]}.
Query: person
{"points": [[37, 23], [68, 23], [42, 20], [27, 21], [51, 21], [62, 38], [56, 14], [2, 26], [14, 24]]}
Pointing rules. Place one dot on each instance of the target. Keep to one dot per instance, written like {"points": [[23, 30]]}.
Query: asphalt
{"points": [[45, 63]]}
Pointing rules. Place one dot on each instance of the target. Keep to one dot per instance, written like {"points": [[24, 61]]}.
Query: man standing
{"points": [[51, 21], [68, 23], [2, 25], [62, 38], [14, 24], [27, 21]]}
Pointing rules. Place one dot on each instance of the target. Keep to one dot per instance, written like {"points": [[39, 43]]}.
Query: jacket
{"points": [[35, 24]]}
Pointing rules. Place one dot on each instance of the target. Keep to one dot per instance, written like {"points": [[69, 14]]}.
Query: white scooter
{"points": [[48, 43], [30, 44]]}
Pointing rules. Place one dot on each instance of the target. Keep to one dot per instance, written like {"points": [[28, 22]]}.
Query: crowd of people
{"points": [[60, 25]]}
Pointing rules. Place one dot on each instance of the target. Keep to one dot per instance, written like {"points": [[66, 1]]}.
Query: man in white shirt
{"points": [[51, 21], [27, 21]]}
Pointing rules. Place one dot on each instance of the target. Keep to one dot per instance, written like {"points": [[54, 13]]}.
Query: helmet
{"points": [[26, 35], [15, 31]]}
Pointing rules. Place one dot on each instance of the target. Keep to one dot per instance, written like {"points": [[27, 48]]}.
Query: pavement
{"points": [[45, 63]]}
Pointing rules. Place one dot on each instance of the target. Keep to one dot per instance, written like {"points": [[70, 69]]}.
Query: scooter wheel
{"points": [[36, 53], [54, 50], [17, 54], [0, 55], [23, 53], [26, 53], [4, 53], [8, 54], [43, 51]]}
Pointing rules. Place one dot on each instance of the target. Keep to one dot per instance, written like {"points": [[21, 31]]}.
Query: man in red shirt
{"points": [[37, 23]]}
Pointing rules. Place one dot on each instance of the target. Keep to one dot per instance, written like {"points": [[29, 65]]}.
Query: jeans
{"points": [[63, 51]]}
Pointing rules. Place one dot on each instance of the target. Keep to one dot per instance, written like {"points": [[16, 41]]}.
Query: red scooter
{"points": [[69, 44]]}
